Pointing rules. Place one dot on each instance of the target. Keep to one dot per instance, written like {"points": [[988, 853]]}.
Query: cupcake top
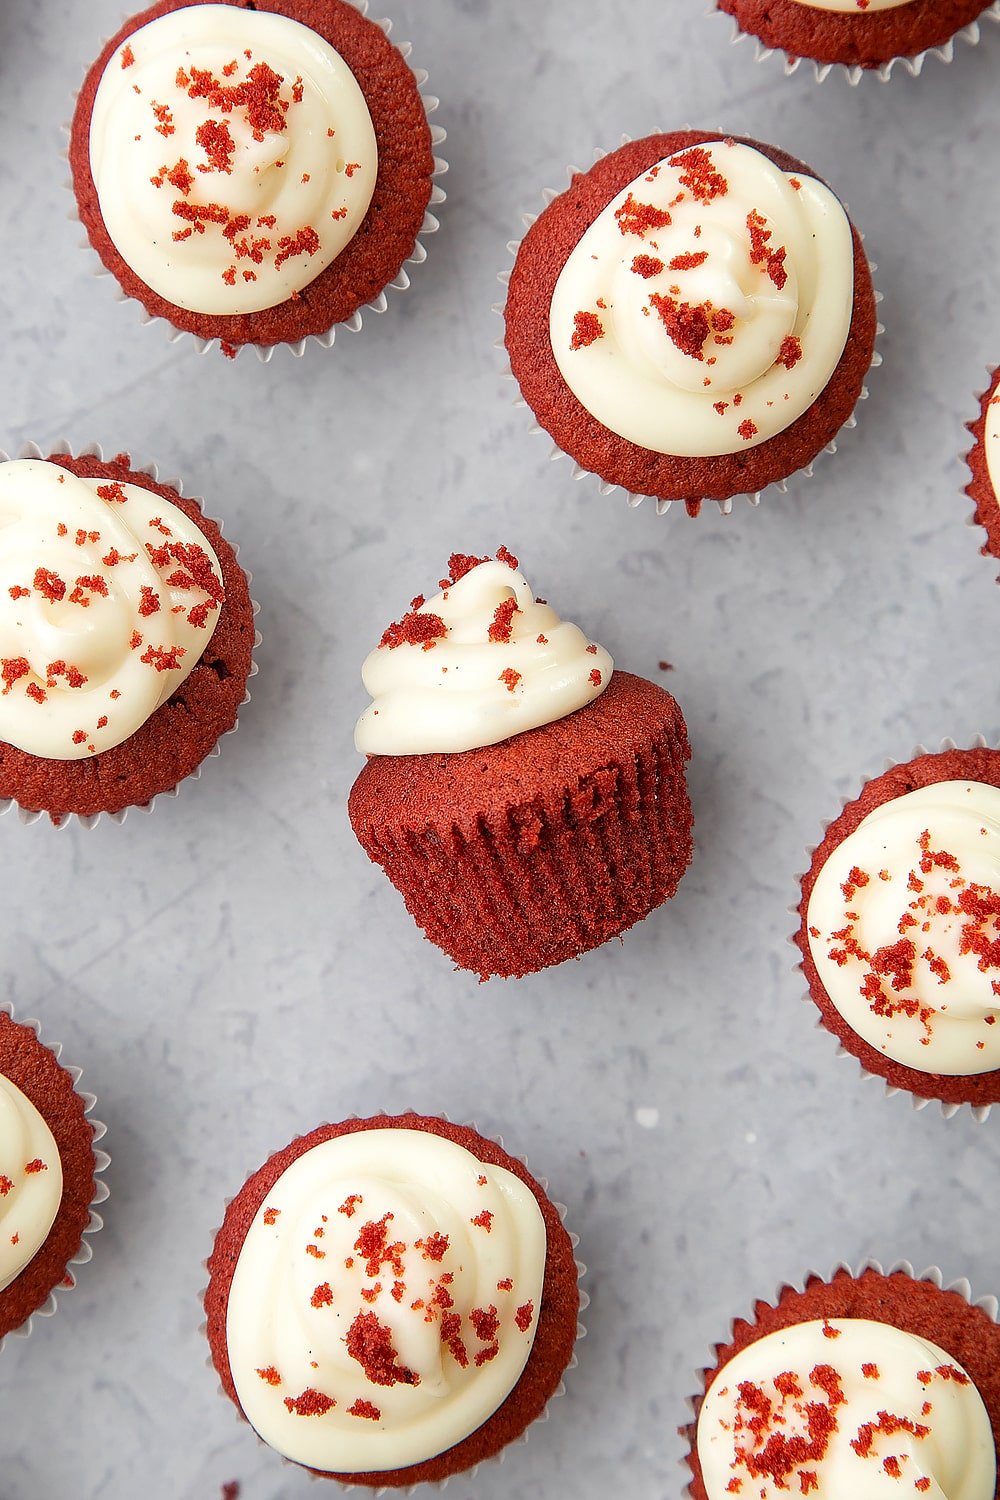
{"points": [[109, 595], [385, 1300], [845, 1406], [903, 924], [31, 1181], [233, 155], [477, 663], [707, 305]]}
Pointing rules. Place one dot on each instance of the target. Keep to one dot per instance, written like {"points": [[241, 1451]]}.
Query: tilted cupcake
{"points": [[126, 631], [527, 800], [864, 1386], [900, 927], [860, 35], [693, 318], [253, 173], [48, 1175], [984, 461], [391, 1300]]}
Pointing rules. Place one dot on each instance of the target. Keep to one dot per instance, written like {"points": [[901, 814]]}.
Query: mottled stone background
{"points": [[231, 970]]}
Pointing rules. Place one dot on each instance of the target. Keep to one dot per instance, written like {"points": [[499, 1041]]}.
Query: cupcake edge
{"points": [[986, 514], [849, 1045], [27, 815], [398, 1481], [635, 498], [101, 1161]]}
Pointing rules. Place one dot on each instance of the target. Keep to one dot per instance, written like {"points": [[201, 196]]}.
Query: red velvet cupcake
{"points": [[984, 462], [692, 319], [899, 917], [527, 800], [255, 173], [859, 35], [392, 1300], [861, 1385], [49, 1175], [126, 632]]}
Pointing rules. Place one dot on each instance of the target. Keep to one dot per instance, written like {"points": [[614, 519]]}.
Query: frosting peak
{"points": [[479, 662]]}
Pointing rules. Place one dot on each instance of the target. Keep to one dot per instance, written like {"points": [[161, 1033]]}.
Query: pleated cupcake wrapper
{"points": [[378, 304], [913, 65], [497, 1458], [606, 486], [980, 1112], [933, 1274], [90, 820], [101, 1190], [970, 520]]}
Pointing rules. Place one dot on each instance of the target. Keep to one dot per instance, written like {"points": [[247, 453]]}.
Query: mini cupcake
{"points": [[48, 1175], [527, 800], [860, 35], [900, 927], [865, 1385], [126, 631], [253, 173], [984, 461], [693, 318], [391, 1300]]}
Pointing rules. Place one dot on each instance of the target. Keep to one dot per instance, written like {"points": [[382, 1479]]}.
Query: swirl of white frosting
{"points": [[484, 660], [108, 597], [841, 1408], [991, 439], [385, 1300], [904, 928], [706, 307], [855, 7], [233, 155], [30, 1181]]}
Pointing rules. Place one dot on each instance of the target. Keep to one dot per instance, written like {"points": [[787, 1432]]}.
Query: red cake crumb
{"points": [[587, 329], [524, 1315], [311, 1403], [370, 1343], [414, 629], [762, 253], [700, 175], [503, 620], [648, 266], [363, 1408], [688, 262], [269, 1375], [790, 352], [639, 218]]}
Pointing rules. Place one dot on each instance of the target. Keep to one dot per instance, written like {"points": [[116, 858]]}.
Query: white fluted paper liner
{"points": [[379, 303], [90, 820], [605, 486], [980, 1112], [992, 376], [933, 1274], [914, 64], [101, 1191], [497, 1458]]}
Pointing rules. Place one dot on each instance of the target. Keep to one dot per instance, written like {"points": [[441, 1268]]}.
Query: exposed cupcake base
{"points": [[521, 855], [556, 1332], [853, 40], [980, 1090], [980, 490]]}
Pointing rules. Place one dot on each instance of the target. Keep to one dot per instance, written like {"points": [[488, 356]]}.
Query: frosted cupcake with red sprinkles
{"points": [[984, 462], [693, 319], [392, 1300], [900, 928], [525, 797], [126, 632], [255, 174], [869, 1385]]}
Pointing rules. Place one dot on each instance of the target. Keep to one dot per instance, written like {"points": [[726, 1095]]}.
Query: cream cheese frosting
{"points": [[904, 928], [233, 154], [854, 7], [385, 1300], [31, 1181], [991, 439], [479, 662], [108, 597], [845, 1407], [707, 306]]}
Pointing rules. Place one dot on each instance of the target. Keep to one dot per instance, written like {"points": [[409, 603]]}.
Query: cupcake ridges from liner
{"points": [[135, 473], [693, 505], [912, 63], [872, 1292], [376, 304], [81, 1221], [980, 1092], [530, 852], [986, 502], [462, 1460]]}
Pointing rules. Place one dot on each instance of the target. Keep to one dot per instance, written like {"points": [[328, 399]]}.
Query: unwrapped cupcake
{"points": [[253, 173], [693, 318], [526, 799]]}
